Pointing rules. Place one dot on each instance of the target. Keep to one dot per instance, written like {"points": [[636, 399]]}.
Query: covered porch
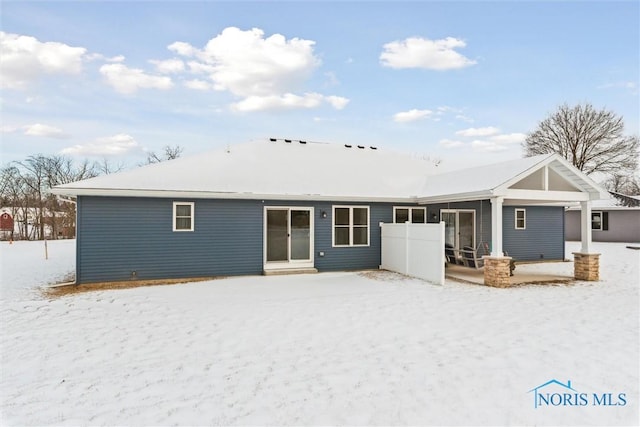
{"points": [[524, 274], [517, 186]]}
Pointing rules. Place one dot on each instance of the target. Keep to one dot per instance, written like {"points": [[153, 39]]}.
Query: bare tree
{"points": [[170, 153], [25, 188], [623, 184], [106, 167], [590, 139]]}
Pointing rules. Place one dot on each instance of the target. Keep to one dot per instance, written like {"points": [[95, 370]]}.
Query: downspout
{"points": [[75, 202]]}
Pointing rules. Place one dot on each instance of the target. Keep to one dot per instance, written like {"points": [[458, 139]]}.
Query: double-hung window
{"points": [[183, 216], [351, 226], [521, 219], [410, 214]]}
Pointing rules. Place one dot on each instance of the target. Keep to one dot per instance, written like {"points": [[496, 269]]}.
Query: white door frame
{"points": [[457, 224], [295, 263]]}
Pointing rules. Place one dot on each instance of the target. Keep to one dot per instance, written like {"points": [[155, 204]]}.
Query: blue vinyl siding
{"points": [[543, 237], [117, 236], [544, 234]]}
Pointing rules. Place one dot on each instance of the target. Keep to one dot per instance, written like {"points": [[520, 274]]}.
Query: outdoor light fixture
{"points": [[323, 214]]}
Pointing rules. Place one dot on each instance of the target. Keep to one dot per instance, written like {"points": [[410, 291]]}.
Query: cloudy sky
{"points": [[459, 81]]}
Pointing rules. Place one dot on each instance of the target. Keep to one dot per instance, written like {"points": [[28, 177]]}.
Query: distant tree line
{"points": [[38, 214]]}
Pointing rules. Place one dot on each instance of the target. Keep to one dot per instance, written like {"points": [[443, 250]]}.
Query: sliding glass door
{"points": [[459, 227], [288, 237]]}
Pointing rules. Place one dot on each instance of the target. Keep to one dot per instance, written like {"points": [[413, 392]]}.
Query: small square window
{"points": [[418, 215], [521, 219], [341, 216], [402, 216], [414, 215], [360, 216], [183, 216]]}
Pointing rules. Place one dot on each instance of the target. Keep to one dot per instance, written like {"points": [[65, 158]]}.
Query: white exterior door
{"points": [[288, 237], [459, 227]]}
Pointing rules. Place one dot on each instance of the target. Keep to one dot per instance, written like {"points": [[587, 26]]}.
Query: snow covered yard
{"points": [[336, 348]]}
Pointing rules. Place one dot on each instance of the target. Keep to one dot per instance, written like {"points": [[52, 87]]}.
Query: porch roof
{"points": [[546, 179]]}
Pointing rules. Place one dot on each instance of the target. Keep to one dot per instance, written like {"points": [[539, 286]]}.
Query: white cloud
{"points": [[247, 64], [128, 80], [411, 115], [8, 129], [449, 143], [108, 146], [264, 71], [623, 85], [509, 138], [101, 57], [182, 48], [331, 79], [417, 52], [24, 59], [446, 109], [337, 102], [492, 140], [287, 101], [485, 131], [464, 118], [200, 68], [44, 131], [168, 66], [480, 145], [631, 86], [197, 84]]}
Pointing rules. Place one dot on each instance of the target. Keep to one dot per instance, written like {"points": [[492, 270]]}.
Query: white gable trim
{"points": [[566, 170]]}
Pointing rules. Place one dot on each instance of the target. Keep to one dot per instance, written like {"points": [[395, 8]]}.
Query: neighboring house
{"points": [[610, 222], [26, 224], [282, 205]]}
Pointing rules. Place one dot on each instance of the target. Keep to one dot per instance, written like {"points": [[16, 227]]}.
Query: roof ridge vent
{"points": [[373, 147], [361, 147], [288, 141], [348, 145]]}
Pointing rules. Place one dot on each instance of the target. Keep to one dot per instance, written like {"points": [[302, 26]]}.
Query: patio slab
{"points": [[469, 275]]}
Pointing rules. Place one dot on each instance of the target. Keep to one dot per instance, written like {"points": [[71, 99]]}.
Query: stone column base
{"points": [[496, 271], [586, 266]]}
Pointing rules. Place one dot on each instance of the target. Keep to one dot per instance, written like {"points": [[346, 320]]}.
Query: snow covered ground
{"points": [[337, 348]]}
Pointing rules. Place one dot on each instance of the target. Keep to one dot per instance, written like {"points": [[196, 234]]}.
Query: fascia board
{"points": [[108, 192], [559, 196], [451, 198]]}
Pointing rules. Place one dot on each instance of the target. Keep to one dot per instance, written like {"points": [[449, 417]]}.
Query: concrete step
{"points": [[281, 271]]}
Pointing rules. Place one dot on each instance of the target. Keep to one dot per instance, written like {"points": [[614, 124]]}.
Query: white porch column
{"points": [[585, 226], [496, 226]]}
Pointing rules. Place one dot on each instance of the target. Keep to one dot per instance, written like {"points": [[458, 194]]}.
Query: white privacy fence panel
{"points": [[414, 249]]}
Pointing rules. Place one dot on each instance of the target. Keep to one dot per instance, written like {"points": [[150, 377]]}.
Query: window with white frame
{"points": [[599, 221], [521, 219], [351, 226], [183, 216], [414, 215]]}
